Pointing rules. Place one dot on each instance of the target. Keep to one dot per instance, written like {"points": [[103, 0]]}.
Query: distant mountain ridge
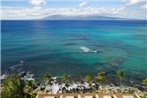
{"points": [[80, 17]]}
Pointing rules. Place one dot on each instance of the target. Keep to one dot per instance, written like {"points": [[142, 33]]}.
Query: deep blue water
{"points": [[55, 46]]}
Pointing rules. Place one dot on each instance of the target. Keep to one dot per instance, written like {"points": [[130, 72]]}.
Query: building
{"points": [[87, 95]]}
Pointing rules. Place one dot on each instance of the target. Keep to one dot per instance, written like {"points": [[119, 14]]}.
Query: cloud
{"points": [[139, 4], [37, 12], [144, 7], [133, 2], [84, 4], [117, 10], [21, 13], [38, 3], [30, 13]]}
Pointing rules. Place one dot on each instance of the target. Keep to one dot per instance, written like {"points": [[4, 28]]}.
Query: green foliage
{"points": [[29, 84], [101, 76], [89, 78], [48, 77], [142, 97], [13, 87], [30, 95], [120, 74], [145, 81], [65, 77]]}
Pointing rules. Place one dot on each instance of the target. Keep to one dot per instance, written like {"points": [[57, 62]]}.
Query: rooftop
{"points": [[87, 95]]}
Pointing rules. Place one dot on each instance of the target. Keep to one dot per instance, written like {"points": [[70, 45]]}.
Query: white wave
{"points": [[95, 51], [85, 49], [28, 76], [17, 65], [3, 76]]}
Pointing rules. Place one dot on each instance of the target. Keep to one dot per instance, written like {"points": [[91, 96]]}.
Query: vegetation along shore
{"points": [[24, 86]]}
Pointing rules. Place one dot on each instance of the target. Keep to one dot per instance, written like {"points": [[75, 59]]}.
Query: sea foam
{"points": [[85, 49]]}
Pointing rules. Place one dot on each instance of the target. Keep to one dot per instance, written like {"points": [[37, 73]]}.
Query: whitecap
{"points": [[3, 76], [85, 49]]}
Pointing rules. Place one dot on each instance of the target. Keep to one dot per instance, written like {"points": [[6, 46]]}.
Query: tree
{"points": [[144, 81], [48, 77], [29, 86], [89, 78], [65, 77], [101, 77], [120, 75], [13, 87], [30, 83]]}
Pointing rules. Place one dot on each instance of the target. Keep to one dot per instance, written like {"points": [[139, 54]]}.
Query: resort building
{"points": [[88, 95]]}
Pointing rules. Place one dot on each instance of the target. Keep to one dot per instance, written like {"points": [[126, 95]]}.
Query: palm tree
{"points": [[144, 81], [48, 78], [29, 86], [65, 77], [89, 78], [13, 87], [120, 75], [101, 76]]}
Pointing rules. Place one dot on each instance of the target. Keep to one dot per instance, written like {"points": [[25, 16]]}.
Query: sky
{"points": [[36, 9]]}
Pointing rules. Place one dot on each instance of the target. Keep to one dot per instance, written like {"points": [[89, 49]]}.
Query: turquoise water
{"points": [[55, 47]]}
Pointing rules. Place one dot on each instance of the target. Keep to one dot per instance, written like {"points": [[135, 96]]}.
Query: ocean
{"points": [[75, 47]]}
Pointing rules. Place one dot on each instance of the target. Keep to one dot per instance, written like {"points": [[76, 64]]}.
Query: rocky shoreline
{"points": [[77, 82], [73, 80]]}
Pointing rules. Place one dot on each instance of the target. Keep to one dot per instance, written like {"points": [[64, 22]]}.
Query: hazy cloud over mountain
{"points": [[36, 9]]}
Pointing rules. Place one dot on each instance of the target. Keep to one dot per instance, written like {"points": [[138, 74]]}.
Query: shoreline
{"points": [[65, 86], [27, 76]]}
